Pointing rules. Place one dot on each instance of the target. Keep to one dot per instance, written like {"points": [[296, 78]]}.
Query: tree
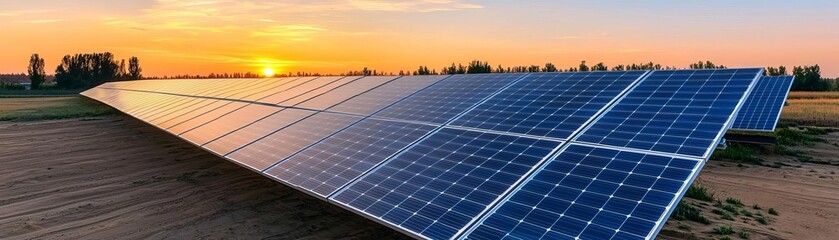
{"points": [[599, 67], [86, 70], [549, 67], [780, 71], [37, 74], [134, 69], [583, 67], [422, 70], [705, 65], [476, 66], [808, 78]]}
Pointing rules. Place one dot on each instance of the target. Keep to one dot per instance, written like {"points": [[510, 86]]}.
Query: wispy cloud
{"points": [[412, 5], [40, 21]]}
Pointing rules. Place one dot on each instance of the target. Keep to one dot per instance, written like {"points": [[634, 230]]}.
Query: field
{"points": [[111, 176], [44, 108], [812, 108]]}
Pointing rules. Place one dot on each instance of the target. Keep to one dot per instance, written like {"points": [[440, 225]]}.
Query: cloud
{"points": [[412, 5], [40, 21]]}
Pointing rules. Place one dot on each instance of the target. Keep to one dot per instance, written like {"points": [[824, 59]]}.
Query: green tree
{"points": [[135, 72], [583, 67], [37, 74], [705, 65], [780, 71], [549, 67], [808, 78], [599, 67], [422, 70], [477, 66]]}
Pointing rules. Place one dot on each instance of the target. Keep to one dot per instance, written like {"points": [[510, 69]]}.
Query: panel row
{"points": [[762, 109]]}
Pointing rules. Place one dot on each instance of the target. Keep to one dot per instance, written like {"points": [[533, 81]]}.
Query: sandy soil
{"points": [[119, 178], [805, 195]]}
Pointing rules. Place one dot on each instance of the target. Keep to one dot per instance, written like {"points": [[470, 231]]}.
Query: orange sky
{"points": [[334, 36]]}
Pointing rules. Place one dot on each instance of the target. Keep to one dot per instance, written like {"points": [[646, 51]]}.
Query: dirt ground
{"points": [[805, 195], [117, 178]]}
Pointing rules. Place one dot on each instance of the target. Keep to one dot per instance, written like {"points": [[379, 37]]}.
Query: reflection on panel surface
{"points": [[448, 98], [281, 144], [369, 102], [228, 123], [549, 104], [334, 162], [345, 92], [254, 131]]}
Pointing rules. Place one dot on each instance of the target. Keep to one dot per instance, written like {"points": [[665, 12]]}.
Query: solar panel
{"points": [[674, 111], [591, 193], [238, 138], [448, 98], [483, 156], [370, 102], [231, 121], [439, 185], [549, 104], [286, 141], [345, 92], [335, 161], [762, 109]]}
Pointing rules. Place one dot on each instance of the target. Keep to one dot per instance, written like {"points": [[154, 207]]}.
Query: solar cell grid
{"points": [[332, 163], [439, 185], [370, 102], [229, 122], [253, 131], [318, 91], [681, 112], [549, 104], [762, 109], [205, 117], [299, 88], [443, 101], [345, 92], [591, 193], [280, 144]]}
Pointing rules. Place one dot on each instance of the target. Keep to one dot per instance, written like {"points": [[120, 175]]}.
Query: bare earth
{"points": [[805, 195], [116, 177], [119, 178]]}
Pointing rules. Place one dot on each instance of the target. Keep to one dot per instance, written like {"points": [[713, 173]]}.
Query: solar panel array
{"points": [[480, 156], [762, 109]]}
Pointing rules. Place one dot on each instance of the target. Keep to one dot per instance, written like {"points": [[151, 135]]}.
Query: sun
{"points": [[268, 72]]}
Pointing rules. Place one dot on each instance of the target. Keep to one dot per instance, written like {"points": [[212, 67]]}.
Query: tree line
{"points": [[84, 70]]}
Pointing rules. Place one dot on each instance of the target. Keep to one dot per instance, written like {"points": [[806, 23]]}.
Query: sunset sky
{"points": [[334, 36]]}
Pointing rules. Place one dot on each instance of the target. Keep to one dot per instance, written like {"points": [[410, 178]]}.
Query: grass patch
{"points": [[724, 230], [727, 216], [687, 211], [746, 213], [734, 201], [738, 152], [744, 234], [757, 207], [795, 137], [730, 208], [30, 109], [772, 211], [762, 220], [699, 192]]}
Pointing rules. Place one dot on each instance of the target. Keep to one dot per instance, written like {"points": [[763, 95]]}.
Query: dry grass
{"points": [[813, 108]]}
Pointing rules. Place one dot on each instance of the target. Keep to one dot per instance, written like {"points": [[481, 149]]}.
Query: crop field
{"points": [[812, 108]]}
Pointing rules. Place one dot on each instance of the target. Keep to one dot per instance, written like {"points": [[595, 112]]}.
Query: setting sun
{"points": [[268, 72]]}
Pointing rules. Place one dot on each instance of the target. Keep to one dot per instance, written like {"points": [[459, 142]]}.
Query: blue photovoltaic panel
{"points": [[345, 92], [287, 141], [549, 104], [374, 100], [762, 109], [337, 160], [448, 98], [674, 111], [591, 193], [442, 183], [254, 131]]}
